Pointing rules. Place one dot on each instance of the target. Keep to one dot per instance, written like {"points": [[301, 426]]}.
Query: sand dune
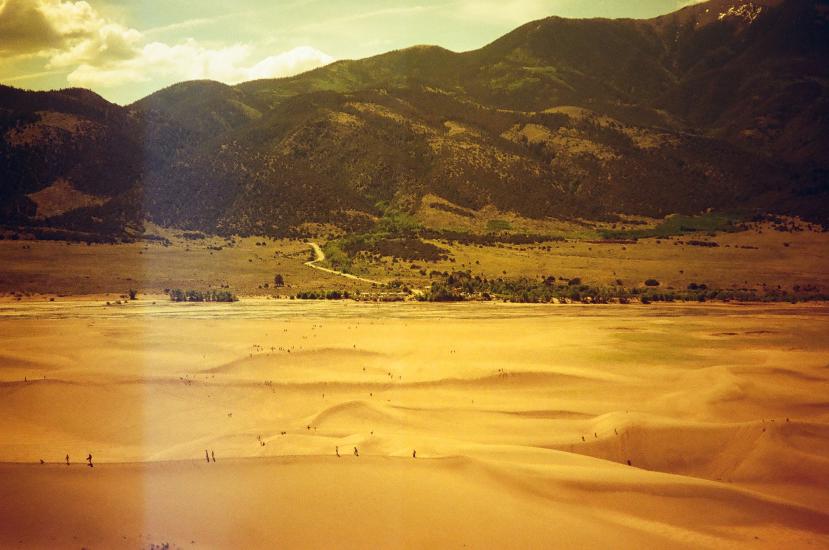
{"points": [[375, 501], [524, 420]]}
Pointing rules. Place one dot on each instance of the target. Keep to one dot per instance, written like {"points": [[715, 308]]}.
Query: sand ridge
{"points": [[523, 418]]}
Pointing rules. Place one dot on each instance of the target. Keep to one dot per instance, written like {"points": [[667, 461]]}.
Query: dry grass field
{"points": [[57, 268], [759, 258], [747, 259]]}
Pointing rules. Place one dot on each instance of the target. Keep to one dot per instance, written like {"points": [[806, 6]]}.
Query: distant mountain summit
{"points": [[722, 105]]}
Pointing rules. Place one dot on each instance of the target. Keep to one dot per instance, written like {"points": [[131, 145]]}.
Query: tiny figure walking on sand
{"points": [[67, 460], [356, 452], [206, 456], [414, 453], [337, 450], [213, 454], [89, 460]]}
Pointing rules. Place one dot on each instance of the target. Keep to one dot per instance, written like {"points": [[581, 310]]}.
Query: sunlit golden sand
{"points": [[524, 420]]}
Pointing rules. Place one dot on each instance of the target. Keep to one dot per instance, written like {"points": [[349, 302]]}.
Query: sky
{"points": [[127, 49]]}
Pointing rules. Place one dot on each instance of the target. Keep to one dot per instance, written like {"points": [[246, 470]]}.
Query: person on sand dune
{"points": [[67, 460], [337, 450], [356, 452], [414, 453], [213, 454], [206, 456], [89, 460]]}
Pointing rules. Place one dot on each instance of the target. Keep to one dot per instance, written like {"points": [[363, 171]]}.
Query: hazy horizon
{"points": [[125, 50]]}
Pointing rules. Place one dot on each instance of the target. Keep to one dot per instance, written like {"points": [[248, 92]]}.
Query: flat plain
{"points": [[759, 259]]}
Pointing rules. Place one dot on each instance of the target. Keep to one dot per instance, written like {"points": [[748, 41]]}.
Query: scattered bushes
{"points": [[178, 295], [156, 238], [336, 256], [488, 239], [462, 285], [707, 244], [440, 292], [451, 209], [193, 235], [497, 226], [324, 295], [680, 224], [340, 253], [399, 235], [410, 249]]}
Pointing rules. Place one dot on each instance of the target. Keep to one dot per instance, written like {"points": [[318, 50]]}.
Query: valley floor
{"points": [[759, 260], [672, 426]]}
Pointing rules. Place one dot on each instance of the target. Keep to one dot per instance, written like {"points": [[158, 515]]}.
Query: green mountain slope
{"points": [[721, 105]]}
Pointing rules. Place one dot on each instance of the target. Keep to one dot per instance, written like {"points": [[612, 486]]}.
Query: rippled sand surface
{"points": [[533, 426]]}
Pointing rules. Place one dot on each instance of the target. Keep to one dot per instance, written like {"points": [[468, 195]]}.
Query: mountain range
{"points": [[722, 105]]}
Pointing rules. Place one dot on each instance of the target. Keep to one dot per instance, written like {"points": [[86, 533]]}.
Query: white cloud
{"points": [[298, 60], [25, 28], [190, 61], [70, 18], [101, 45], [101, 53]]}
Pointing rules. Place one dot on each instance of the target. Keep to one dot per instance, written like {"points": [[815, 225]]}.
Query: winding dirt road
{"points": [[319, 257]]}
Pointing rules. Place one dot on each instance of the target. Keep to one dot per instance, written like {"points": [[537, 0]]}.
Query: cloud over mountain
{"points": [[96, 51]]}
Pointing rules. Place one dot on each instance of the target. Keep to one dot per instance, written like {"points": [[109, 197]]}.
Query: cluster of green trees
{"points": [[178, 295], [462, 285], [324, 295], [394, 234], [496, 226], [678, 224], [336, 257]]}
